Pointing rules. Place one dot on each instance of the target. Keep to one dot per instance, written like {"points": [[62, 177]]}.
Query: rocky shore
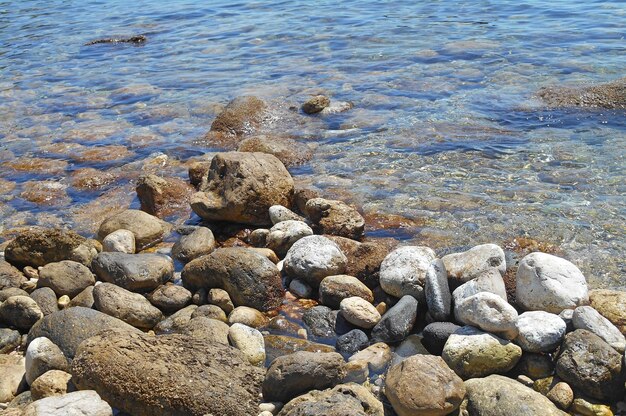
{"points": [[276, 303]]}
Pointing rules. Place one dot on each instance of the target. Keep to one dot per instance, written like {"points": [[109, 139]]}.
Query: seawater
{"points": [[444, 129]]}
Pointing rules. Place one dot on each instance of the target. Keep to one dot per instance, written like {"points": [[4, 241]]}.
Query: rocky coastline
{"points": [[277, 303]]}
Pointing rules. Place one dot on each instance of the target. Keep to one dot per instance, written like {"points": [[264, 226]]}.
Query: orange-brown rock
{"points": [[163, 196]]}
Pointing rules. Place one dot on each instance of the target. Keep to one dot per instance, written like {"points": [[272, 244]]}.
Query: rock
{"points": [[207, 329], [46, 299], [540, 331], [294, 374], [334, 289], [334, 218], [134, 272], [267, 253], [436, 334], [279, 345], [249, 278], [147, 229], [364, 259], [535, 365], [10, 276], [247, 316], [221, 298], [12, 370], [210, 311], [9, 340], [170, 298], [474, 353], [345, 399], [359, 312], [490, 281], [242, 116], [258, 237], [20, 311], [64, 301], [356, 372], [120, 241], [241, 188], [403, 272], [69, 327], [40, 246], [42, 355], [320, 321], [585, 317], [84, 298], [377, 356], [284, 234], [11, 291], [199, 243], [610, 303], [278, 213], [588, 363], [290, 152], [352, 342], [611, 95], [313, 258], [396, 324], [167, 375], [300, 289], [561, 395], [66, 277], [488, 312], [501, 396], [51, 383], [76, 403], [423, 385], [315, 104], [412, 345], [585, 408], [132, 308], [437, 292], [549, 283], [163, 196], [175, 322], [468, 265], [249, 341]]}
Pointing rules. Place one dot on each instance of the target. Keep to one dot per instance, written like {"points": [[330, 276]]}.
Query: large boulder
{"points": [[20, 311], [86, 402], [611, 304], [342, 400], [403, 272], [611, 95], [295, 374], [241, 187], [148, 229], [335, 218], [168, 375], [135, 272], [468, 265], [249, 278], [40, 246], [66, 277], [588, 363], [69, 327], [423, 385], [132, 308], [497, 395], [313, 258], [548, 283]]}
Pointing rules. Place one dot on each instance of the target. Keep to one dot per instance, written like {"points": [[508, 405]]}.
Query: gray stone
{"points": [[120, 241], [352, 342], [9, 340], [313, 258], [468, 265], [199, 243], [586, 317], [334, 289], [11, 291], [176, 321], [134, 272], [300, 289], [132, 308], [342, 400], [488, 312], [549, 283], [278, 213], [412, 345], [20, 311], [397, 322], [147, 229], [170, 298], [46, 299], [66, 277], [320, 321], [10, 276], [491, 281], [249, 341], [403, 272], [285, 233], [86, 402], [43, 355], [436, 334], [437, 291], [540, 331]]}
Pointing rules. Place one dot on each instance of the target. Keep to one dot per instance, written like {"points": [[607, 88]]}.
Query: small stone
{"points": [[377, 356], [359, 312], [488, 312], [147, 229], [210, 311], [9, 340], [170, 298], [403, 272], [20, 311], [352, 342], [247, 316], [490, 281], [258, 237], [84, 298], [540, 331], [335, 289], [220, 298], [199, 243], [437, 291], [278, 213], [163, 196], [436, 334], [66, 277], [51, 383], [525, 380], [313, 258], [120, 241], [396, 324], [300, 289], [585, 408], [285, 233], [315, 104], [468, 265], [320, 321], [585, 317], [46, 299], [249, 341], [334, 218], [41, 356], [561, 395]]}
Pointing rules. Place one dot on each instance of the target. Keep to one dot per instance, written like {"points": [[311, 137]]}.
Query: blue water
{"points": [[444, 127]]}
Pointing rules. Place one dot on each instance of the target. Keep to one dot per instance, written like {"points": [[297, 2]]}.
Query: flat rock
{"points": [[43, 355], [403, 272], [334, 218], [20, 311], [342, 400], [488, 312], [586, 317], [148, 229], [540, 331], [334, 289], [191, 246], [397, 322], [132, 308], [313, 258], [437, 291], [470, 264], [249, 278], [134, 272], [549, 283], [423, 385], [611, 95], [86, 402], [285, 233], [66, 277]]}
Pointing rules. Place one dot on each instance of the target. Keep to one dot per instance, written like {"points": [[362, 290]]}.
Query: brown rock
{"points": [[335, 218], [315, 104], [10, 276], [364, 259], [334, 289], [90, 178], [51, 383], [45, 193], [288, 151], [342, 400], [163, 196], [198, 173], [279, 345], [242, 116], [611, 95], [148, 229], [612, 305]]}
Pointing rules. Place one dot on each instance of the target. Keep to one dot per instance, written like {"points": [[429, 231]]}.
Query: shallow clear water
{"points": [[444, 128]]}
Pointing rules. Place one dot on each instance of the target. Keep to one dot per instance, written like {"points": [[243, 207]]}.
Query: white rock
{"points": [[540, 331], [300, 289], [491, 281], [470, 264], [586, 317], [403, 271], [279, 213], [41, 356], [249, 341], [285, 233], [488, 312], [437, 291], [548, 283], [78, 403], [359, 312], [313, 258], [122, 241]]}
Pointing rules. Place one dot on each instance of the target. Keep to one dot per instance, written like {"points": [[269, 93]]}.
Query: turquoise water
{"points": [[444, 127]]}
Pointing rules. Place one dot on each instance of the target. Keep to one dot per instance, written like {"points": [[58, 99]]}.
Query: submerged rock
{"points": [[136, 39], [242, 116], [163, 196], [611, 95], [288, 151], [315, 104]]}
